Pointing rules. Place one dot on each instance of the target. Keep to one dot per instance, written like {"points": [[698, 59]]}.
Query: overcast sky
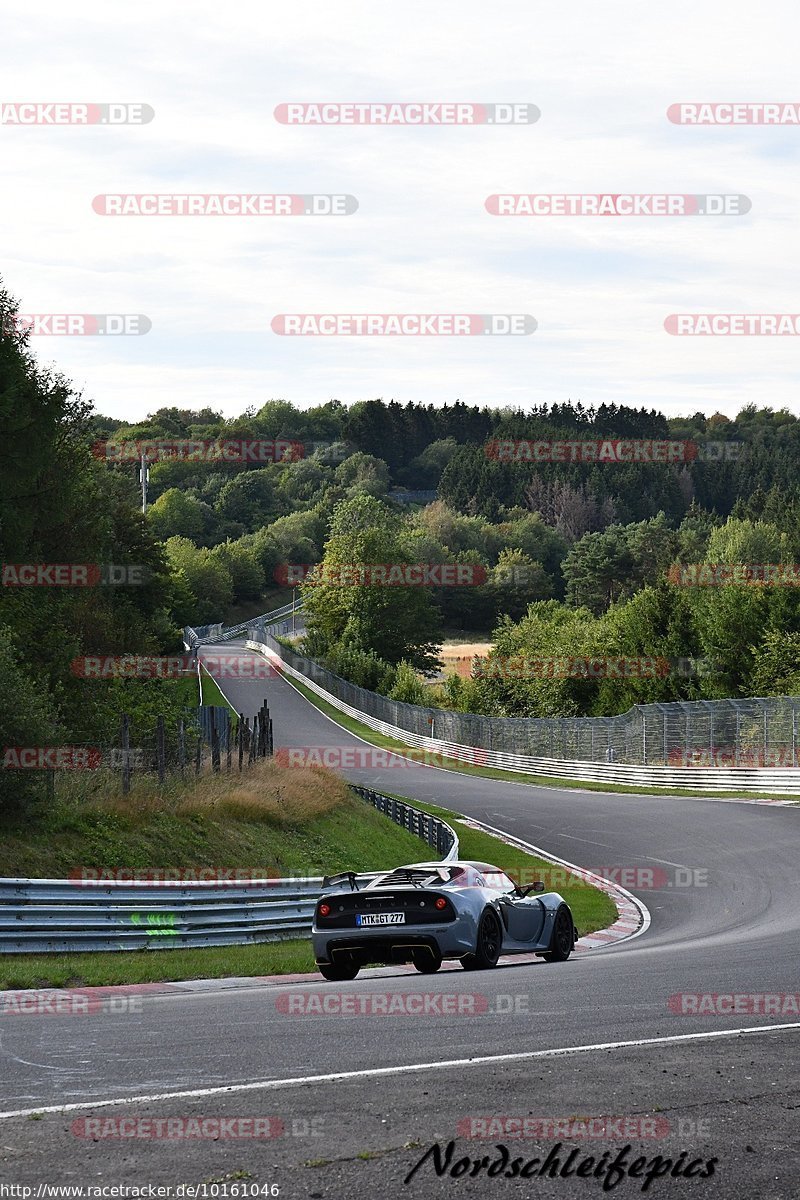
{"points": [[603, 76]]}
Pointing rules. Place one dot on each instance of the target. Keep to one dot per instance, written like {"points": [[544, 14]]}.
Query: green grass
{"points": [[186, 689], [212, 693], [270, 821], [379, 739], [349, 836], [154, 966]]}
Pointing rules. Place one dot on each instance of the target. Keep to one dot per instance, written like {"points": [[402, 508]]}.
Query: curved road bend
{"points": [[734, 931]]}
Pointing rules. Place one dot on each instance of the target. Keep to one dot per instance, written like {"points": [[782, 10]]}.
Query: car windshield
{"points": [[498, 881]]}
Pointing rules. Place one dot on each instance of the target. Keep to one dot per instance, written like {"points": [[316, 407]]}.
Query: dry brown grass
{"points": [[266, 791]]}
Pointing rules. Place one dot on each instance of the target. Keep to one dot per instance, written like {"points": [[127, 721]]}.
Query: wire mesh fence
{"points": [[753, 732]]}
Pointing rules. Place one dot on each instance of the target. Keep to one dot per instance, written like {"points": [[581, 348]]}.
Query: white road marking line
{"points": [[271, 1085], [589, 841]]}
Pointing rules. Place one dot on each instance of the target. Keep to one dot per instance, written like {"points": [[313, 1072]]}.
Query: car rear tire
{"points": [[561, 942], [488, 945], [338, 972], [427, 962]]}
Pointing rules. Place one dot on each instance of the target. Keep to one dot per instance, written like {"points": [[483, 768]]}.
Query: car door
{"points": [[523, 916], [523, 919]]}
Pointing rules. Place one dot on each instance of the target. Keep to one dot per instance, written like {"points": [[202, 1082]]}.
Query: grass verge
{"points": [[212, 693], [270, 819], [153, 966], [298, 838]]}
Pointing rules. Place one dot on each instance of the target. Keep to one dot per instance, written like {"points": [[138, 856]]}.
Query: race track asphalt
{"points": [[725, 921]]}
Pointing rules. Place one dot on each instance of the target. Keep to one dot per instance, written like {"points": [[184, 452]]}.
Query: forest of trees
{"points": [[576, 556]]}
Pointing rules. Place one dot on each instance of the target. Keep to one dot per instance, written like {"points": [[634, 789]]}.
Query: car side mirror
{"points": [[538, 886]]}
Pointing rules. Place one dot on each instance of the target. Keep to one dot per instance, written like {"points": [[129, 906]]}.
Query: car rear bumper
{"points": [[394, 944]]}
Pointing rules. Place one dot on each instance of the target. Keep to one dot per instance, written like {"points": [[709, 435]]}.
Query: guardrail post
{"points": [[240, 738]]}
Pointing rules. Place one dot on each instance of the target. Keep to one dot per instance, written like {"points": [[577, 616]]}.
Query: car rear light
{"points": [[324, 910], [441, 902]]}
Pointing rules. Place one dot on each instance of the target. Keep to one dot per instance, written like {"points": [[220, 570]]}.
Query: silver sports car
{"points": [[426, 912]]}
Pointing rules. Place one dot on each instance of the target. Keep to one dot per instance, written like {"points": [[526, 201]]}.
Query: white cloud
{"points": [[600, 288]]}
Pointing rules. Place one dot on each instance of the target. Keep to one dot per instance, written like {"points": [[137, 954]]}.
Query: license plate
{"points": [[380, 918]]}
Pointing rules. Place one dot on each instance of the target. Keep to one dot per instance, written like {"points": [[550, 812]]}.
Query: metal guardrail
{"points": [[433, 830], [208, 634], [783, 780], [71, 915], [749, 733]]}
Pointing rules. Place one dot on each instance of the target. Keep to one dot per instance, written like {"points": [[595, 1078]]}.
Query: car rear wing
{"points": [[343, 877]]}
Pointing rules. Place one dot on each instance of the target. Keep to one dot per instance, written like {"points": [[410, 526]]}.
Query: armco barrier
{"points": [[783, 781], [70, 915], [208, 634]]}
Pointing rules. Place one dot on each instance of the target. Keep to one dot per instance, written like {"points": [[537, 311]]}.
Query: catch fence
{"points": [[757, 732]]}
